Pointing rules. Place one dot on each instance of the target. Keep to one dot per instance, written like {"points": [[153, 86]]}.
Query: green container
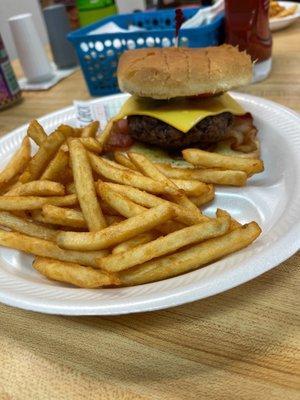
{"points": [[90, 11]]}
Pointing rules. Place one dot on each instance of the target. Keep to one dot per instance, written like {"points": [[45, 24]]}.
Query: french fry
{"points": [[38, 188], [119, 166], [11, 203], [113, 219], [126, 177], [106, 209], [178, 196], [122, 159], [69, 217], [22, 225], [190, 187], [149, 169], [135, 241], [46, 152], [287, 11], [91, 144], [9, 186], [234, 224], [85, 187], [116, 234], [119, 202], [75, 274], [204, 198], [63, 216], [217, 177], [145, 199], [37, 216], [36, 132], [105, 133], [56, 167], [17, 164], [90, 130], [191, 258], [214, 160], [165, 245], [45, 248], [123, 205]]}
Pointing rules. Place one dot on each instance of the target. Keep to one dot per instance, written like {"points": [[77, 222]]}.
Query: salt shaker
{"points": [[58, 27]]}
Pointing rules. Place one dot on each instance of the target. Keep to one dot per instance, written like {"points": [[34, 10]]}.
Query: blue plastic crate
{"points": [[99, 53]]}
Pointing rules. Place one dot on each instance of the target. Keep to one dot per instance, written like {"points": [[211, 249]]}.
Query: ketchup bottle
{"points": [[247, 26]]}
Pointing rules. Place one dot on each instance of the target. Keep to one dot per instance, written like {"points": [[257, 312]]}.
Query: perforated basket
{"points": [[99, 53]]}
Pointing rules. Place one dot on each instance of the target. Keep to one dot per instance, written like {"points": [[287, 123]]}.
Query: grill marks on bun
{"points": [[177, 72]]}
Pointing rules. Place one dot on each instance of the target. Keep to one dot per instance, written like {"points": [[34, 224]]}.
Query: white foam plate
{"points": [[279, 23], [271, 198]]}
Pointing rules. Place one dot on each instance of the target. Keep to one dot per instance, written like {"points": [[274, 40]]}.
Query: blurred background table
{"points": [[242, 344]]}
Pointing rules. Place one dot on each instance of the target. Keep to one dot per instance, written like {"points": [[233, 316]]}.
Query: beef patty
{"points": [[153, 131]]}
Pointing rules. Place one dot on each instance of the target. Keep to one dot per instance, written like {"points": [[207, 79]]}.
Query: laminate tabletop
{"points": [[241, 344]]}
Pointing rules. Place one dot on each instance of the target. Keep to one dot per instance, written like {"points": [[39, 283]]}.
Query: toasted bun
{"points": [[164, 73]]}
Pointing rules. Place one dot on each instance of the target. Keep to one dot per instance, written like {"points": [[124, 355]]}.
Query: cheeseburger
{"points": [[179, 99]]}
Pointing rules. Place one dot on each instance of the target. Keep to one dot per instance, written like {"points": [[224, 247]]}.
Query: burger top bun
{"points": [[164, 73]]}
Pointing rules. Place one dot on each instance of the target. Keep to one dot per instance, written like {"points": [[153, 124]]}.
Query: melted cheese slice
{"points": [[182, 114]]}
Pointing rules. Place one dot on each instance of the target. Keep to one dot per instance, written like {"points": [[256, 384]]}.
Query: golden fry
{"points": [[90, 130], [126, 177], [56, 168], [119, 202], [17, 164], [177, 195], [214, 160], [190, 187], [11, 203], [36, 132], [68, 217], [105, 133], [191, 258], [217, 177], [122, 159], [38, 188], [113, 219], [25, 226], [149, 169], [135, 241], [85, 187], [45, 153], [91, 144], [204, 198], [233, 222], [63, 216], [165, 245], [115, 234], [45, 248], [145, 199], [123, 205], [75, 274], [120, 166]]}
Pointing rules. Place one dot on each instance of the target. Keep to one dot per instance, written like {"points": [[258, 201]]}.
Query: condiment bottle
{"points": [[10, 92], [247, 26]]}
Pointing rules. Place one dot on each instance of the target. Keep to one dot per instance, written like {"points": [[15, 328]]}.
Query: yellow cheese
{"points": [[182, 114]]}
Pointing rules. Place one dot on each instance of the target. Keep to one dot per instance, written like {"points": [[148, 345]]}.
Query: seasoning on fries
{"points": [[92, 221]]}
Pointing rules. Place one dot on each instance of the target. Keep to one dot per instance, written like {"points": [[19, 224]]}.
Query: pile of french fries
{"points": [[278, 11], [93, 220]]}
